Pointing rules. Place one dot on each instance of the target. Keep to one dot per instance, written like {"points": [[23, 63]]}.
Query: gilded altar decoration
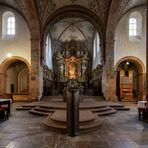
{"points": [[72, 70], [71, 64]]}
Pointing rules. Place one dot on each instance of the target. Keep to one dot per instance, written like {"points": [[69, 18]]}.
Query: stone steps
{"points": [[84, 126], [90, 113], [44, 110], [108, 112], [91, 126], [23, 108], [115, 105], [100, 112], [36, 112], [101, 109], [41, 109], [119, 107], [33, 104]]}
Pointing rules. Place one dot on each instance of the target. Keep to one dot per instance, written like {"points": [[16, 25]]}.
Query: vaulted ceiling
{"points": [[45, 8], [72, 28], [38, 13]]}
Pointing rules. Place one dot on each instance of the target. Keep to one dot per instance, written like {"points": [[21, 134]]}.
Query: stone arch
{"points": [[74, 11], [4, 65], [139, 78], [3, 69], [136, 60]]}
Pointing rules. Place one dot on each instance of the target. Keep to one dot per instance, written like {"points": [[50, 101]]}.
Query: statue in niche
{"points": [[61, 69], [85, 55], [60, 55], [83, 69]]}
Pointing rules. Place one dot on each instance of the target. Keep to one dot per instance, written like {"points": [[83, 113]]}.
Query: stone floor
{"points": [[120, 130]]}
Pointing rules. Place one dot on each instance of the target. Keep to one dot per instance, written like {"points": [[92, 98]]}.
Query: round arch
{"points": [[72, 11], [137, 61], [4, 87], [5, 64], [130, 86]]}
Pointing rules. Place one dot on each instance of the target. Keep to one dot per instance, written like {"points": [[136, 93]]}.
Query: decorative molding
{"points": [[21, 5], [45, 9], [93, 6]]}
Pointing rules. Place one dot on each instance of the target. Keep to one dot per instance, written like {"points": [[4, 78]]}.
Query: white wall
{"points": [[12, 78], [123, 46], [18, 45]]}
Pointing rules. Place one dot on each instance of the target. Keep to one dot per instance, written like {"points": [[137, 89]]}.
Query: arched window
{"points": [[96, 50], [135, 26], [8, 24], [11, 25], [132, 27], [48, 52]]}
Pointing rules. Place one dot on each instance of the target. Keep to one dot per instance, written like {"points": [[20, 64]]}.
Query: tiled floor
{"points": [[120, 130]]}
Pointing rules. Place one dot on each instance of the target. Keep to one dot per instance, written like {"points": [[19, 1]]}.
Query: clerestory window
{"points": [[11, 25], [132, 27]]}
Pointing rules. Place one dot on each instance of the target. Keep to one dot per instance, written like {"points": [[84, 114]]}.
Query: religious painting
{"points": [[72, 70]]}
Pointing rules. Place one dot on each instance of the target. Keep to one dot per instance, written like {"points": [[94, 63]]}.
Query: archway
{"points": [[130, 79], [71, 29], [14, 78]]}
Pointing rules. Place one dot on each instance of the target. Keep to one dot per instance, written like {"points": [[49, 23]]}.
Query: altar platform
{"points": [[91, 112]]}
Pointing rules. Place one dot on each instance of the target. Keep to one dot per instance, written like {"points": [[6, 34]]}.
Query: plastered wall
{"points": [[18, 45], [126, 47]]}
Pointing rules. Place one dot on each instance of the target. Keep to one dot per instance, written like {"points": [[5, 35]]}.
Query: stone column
{"points": [[36, 74], [118, 85], [2, 83], [109, 74]]}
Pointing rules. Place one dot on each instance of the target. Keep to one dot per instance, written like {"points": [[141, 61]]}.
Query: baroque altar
{"points": [[72, 64]]}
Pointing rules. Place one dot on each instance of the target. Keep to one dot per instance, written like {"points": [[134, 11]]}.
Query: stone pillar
{"points": [[2, 83], [36, 74], [109, 74], [118, 85]]}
